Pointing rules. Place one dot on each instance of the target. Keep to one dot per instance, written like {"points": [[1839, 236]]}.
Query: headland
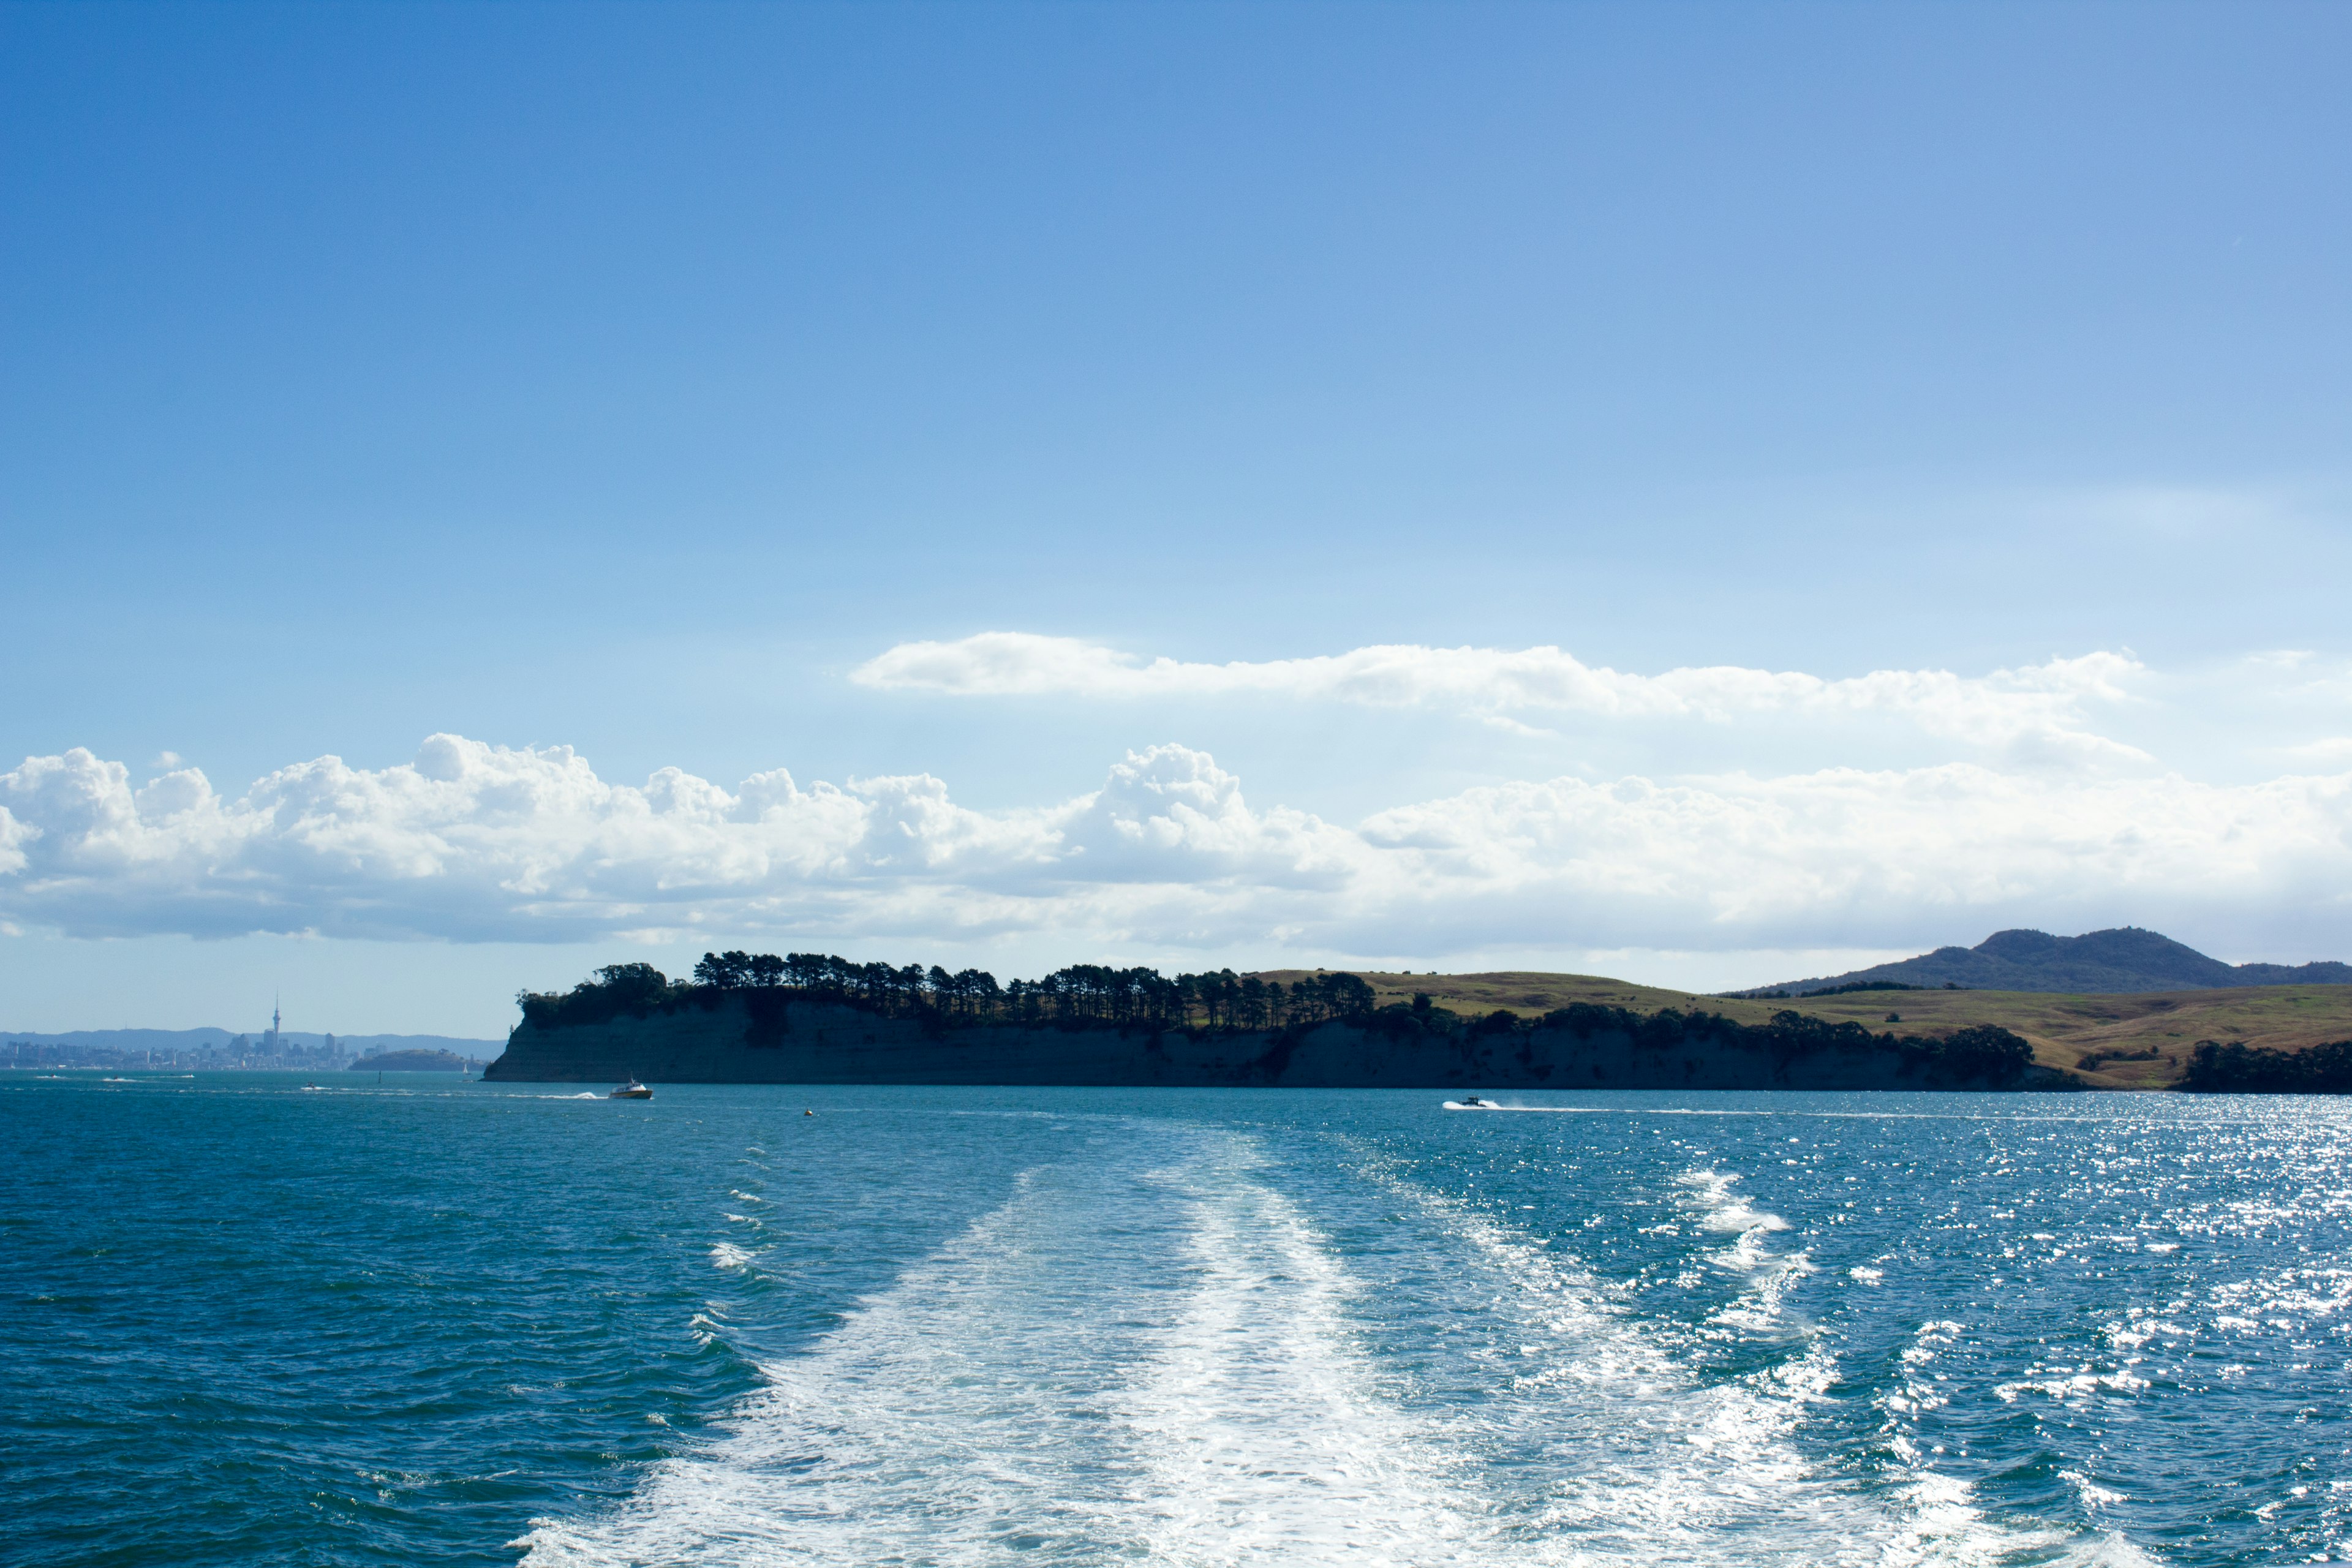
{"points": [[832, 1022], [810, 1019]]}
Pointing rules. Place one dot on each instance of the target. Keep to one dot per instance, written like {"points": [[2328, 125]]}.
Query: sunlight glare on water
{"points": [[959, 1326]]}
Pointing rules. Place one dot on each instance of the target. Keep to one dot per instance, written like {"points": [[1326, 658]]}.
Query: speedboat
{"points": [[632, 1089], [1471, 1102]]}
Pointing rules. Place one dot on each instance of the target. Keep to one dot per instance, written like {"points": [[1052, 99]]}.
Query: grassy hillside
{"points": [[2066, 1028], [2062, 1029]]}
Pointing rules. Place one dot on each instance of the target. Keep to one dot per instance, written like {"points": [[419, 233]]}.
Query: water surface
{"points": [[250, 1321]]}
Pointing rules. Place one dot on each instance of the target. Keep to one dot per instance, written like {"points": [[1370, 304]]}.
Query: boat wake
{"points": [[1162, 1357]]}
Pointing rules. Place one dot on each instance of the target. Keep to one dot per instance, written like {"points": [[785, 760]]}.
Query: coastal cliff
{"points": [[777, 1036]]}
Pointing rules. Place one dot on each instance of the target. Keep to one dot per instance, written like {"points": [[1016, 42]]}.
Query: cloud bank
{"points": [[477, 842], [2039, 708]]}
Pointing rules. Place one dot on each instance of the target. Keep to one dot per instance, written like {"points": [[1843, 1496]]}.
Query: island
{"points": [[814, 1019]]}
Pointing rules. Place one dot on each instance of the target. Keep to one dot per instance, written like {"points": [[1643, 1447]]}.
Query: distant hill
{"points": [[482, 1050], [218, 1040], [2126, 959], [411, 1061]]}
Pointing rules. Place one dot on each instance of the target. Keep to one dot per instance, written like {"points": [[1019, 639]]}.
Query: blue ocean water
{"points": [[251, 1322]]}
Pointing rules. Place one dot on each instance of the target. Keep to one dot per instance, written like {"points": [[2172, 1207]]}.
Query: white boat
{"points": [[632, 1089], [1471, 1102]]}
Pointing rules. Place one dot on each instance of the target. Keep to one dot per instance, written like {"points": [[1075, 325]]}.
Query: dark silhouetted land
{"points": [[2124, 959]]}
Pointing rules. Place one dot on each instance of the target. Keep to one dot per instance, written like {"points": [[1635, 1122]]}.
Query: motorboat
{"points": [[1471, 1102], [632, 1089]]}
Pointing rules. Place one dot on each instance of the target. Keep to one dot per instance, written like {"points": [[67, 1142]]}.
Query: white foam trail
{"points": [[1656, 1465], [1157, 1356], [1722, 1208], [1144, 1364], [952, 1418], [1760, 1308], [1649, 1466], [2107, 1552], [1265, 1435]]}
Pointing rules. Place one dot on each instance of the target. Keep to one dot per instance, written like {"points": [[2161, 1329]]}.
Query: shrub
{"points": [[2238, 1068]]}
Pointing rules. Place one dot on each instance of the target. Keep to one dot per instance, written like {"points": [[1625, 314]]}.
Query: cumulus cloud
{"points": [[2039, 708], [473, 842]]}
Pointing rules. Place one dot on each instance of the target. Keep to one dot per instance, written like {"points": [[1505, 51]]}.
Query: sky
{"points": [[1703, 494]]}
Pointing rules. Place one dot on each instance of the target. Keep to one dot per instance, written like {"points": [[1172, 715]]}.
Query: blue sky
{"points": [[636, 379]]}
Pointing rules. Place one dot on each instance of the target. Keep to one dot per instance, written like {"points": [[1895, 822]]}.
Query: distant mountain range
{"points": [[2123, 959], [413, 1062]]}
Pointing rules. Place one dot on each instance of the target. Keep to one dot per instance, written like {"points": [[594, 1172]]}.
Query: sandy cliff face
{"points": [[806, 1042]]}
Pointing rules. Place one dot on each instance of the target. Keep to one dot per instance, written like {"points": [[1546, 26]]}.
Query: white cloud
{"points": [[2037, 710], [473, 842]]}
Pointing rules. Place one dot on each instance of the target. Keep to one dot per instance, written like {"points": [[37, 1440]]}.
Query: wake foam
{"points": [[953, 1418], [1161, 1357], [1262, 1433], [1152, 1367], [1650, 1461]]}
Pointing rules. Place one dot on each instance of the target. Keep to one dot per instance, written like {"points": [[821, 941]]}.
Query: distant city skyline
{"points": [[1431, 488], [213, 1048]]}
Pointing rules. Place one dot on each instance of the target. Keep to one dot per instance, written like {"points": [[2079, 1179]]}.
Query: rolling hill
{"points": [[2131, 1039]]}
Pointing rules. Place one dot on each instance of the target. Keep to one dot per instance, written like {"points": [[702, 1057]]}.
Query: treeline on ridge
{"points": [[1099, 996], [1784, 995], [1084, 995]]}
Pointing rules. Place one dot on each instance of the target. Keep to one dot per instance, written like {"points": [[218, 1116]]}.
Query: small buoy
{"points": [[808, 1113]]}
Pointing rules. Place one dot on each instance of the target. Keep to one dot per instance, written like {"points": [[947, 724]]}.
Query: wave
{"points": [[949, 1419], [1660, 1462], [1163, 1355]]}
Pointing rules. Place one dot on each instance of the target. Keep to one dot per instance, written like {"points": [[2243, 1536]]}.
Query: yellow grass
{"points": [[2062, 1029]]}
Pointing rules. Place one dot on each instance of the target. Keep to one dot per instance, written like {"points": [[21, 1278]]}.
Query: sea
{"points": [[270, 1319]]}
